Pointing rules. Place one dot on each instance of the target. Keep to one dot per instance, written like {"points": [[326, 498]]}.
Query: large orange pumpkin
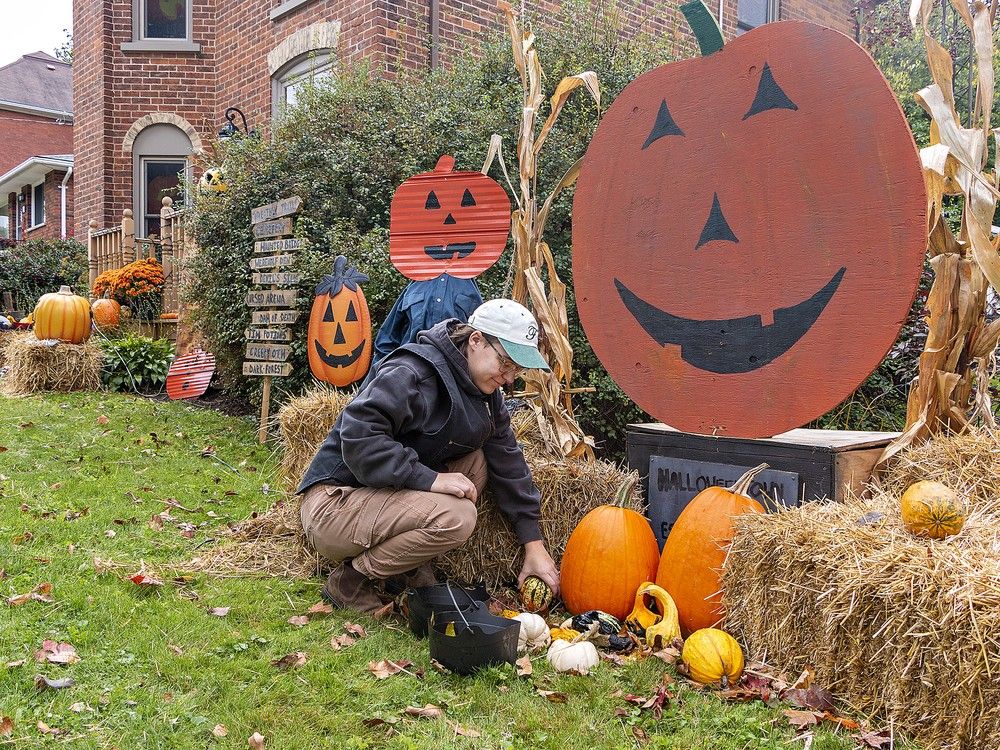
{"points": [[447, 222], [62, 315], [611, 552], [692, 557], [340, 327], [744, 235], [107, 312]]}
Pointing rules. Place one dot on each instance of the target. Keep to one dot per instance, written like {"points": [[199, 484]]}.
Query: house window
{"points": [[753, 13], [160, 168], [38, 205], [302, 72], [160, 178], [164, 19]]}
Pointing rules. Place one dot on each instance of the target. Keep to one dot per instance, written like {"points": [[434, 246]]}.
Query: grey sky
{"points": [[32, 25]]}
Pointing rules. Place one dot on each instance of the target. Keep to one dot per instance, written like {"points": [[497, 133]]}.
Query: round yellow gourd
{"points": [[930, 509], [62, 315], [712, 656]]}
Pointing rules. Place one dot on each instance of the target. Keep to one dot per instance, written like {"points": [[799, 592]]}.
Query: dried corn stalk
{"points": [[947, 394], [549, 393]]}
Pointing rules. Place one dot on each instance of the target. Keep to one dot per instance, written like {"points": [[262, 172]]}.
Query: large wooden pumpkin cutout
{"points": [[340, 327], [748, 231], [447, 222]]}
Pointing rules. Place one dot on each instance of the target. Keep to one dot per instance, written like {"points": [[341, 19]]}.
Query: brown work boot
{"points": [[422, 575], [346, 588]]}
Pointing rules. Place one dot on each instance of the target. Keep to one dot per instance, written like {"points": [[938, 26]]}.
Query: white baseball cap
{"points": [[516, 328]]}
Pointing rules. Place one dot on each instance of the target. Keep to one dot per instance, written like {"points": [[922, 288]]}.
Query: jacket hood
{"points": [[438, 338]]}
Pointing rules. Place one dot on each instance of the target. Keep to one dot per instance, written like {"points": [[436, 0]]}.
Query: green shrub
{"points": [[36, 267], [136, 363]]}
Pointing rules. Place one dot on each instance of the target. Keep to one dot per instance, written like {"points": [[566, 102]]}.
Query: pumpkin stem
{"points": [[625, 490], [705, 27], [742, 486]]}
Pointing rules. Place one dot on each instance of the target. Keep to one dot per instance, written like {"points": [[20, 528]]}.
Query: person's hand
{"points": [[454, 483], [538, 562]]}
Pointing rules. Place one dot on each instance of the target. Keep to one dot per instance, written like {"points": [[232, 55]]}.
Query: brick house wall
{"points": [[24, 136], [51, 229], [242, 47]]}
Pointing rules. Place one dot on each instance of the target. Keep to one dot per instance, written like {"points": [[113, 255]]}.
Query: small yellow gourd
{"points": [[713, 656], [643, 618], [563, 634], [931, 509]]}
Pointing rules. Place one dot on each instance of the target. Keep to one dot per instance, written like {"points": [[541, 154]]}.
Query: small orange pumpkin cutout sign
{"points": [[447, 222], [340, 327]]}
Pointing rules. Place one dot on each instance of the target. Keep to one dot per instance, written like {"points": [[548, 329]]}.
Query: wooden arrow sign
{"points": [[272, 261], [279, 246], [267, 369], [274, 317], [284, 207], [279, 278], [267, 334], [272, 228], [269, 352], [272, 298]]}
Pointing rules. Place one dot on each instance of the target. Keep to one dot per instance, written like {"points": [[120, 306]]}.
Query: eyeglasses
{"points": [[507, 365]]}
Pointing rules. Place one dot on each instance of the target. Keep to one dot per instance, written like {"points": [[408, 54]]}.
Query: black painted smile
{"points": [[341, 360], [441, 252], [734, 345]]}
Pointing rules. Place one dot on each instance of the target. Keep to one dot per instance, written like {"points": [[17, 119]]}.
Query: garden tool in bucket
{"points": [[418, 604], [466, 641]]}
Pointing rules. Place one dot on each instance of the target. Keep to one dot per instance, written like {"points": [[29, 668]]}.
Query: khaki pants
{"points": [[389, 531]]}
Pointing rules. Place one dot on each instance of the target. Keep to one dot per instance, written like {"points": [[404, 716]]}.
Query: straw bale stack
{"points": [[272, 543], [901, 627], [35, 366]]}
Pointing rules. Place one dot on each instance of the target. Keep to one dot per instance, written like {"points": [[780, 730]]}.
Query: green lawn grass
{"points": [[157, 670]]}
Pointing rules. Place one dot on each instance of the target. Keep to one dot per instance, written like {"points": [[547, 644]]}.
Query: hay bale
{"points": [[35, 366], [900, 627], [303, 424]]}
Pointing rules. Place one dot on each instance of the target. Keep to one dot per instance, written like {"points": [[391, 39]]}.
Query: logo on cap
{"points": [[532, 332]]}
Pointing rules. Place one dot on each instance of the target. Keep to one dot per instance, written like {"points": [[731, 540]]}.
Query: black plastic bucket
{"points": [[420, 603], [480, 640]]}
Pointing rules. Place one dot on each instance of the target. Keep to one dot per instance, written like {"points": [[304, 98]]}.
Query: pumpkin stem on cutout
{"points": [[704, 26], [742, 486], [445, 164], [343, 275]]}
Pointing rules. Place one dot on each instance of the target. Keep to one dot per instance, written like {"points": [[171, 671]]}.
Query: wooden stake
{"points": [[265, 407]]}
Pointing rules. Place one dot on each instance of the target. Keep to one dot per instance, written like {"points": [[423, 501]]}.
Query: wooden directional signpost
{"points": [[267, 348]]}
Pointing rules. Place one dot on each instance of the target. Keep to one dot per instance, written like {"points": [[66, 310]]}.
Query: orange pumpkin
{"points": [[447, 222], [107, 312], [62, 315], [692, 557], [340, 328], [610, 553]]}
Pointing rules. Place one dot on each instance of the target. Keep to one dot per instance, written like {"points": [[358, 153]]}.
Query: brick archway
{"points": [[318, 36], [168, 118]]}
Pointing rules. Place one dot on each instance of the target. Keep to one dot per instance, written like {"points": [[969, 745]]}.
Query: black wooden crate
{"points": [[804, 465]]}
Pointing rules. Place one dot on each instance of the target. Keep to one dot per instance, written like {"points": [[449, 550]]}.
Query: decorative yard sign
{"points": [[266, 359], [746, 245], [190, 374], [340, 329]]}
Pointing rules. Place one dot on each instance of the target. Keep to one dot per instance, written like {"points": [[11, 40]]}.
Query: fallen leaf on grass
{"points": [[320, 608], [46, 729], [463, 731], [6, 726], [42, 683], [219, 611], [805, 679], [440, 668], [298, 620], [384, 611], [79, 707], [219, 730], [176, 649], [429, 711], [110, 534], [57, 653], [876, 740], [523, 666], [145, 581], [27, 536], [669, 655], [815, 698], [15, 664], [802, 719], [552, 696], [102, 419], [386, 668], [848, 724], [38, 594], [640, 735], [353, 629], [342, 641], [256, 741], [290, 661]]}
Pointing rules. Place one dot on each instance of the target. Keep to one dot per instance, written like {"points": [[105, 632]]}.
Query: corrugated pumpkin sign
{"points": [[340, 327], [749, 230], [190, 374], [447, 222]]}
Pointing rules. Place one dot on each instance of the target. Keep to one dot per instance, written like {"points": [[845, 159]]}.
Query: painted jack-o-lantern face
{"points": [[447, 222], [340, 328], [748, 232]]}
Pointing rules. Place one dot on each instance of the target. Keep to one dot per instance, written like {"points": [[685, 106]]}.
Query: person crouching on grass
{"points": [[395, 483]]}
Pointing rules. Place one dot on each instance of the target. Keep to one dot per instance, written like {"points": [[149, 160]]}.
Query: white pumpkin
{"points": [[534, 632], [578, 656]]}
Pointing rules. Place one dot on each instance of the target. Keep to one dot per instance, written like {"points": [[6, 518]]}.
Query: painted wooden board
{"points": [[190, 374], [447, 222], [267, 369], [746, 243], [272, 298], [287, 245], [274, 317], [269, 352], [274, 228], [267, 334], [284, 207], [280, 278], [272, 261]]}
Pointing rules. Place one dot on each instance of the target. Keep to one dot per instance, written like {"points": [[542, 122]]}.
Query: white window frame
{"points": [[34, 188], [142, 43], [772, 10], [140, 228], [308, 65]]}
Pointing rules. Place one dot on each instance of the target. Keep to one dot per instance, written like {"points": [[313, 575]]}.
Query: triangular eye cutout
{"points": [[432, 201], [328, 315], [467, 199], [351, 314], [769, 95], [664, 125]]}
